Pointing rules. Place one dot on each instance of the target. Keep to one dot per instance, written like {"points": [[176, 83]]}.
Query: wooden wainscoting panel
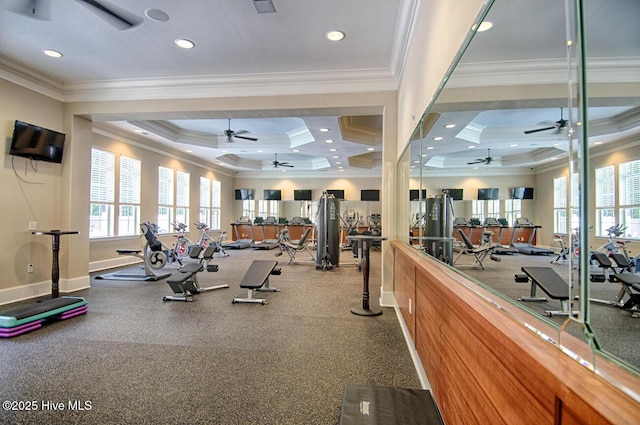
{"points": [[486, 367], [404, 289]]}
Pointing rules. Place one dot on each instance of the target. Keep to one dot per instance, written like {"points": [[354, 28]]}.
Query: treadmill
{"points": [[527, 248], [241, 241], [501, 249], [266, 243]]}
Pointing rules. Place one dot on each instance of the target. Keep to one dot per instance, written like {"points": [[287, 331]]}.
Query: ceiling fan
{"points": [[114, 15], [558, 125], [277, 163], [235, 134], [486, 160]]}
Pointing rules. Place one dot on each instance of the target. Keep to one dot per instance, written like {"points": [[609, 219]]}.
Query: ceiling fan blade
{"points": [[286, 164], [118, 17], [539, 129], [477, 161], [245, 137]]}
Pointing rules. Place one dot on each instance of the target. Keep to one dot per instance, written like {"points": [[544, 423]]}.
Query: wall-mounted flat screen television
{"points": [[272, 195], [244, 194], [455, 194], [32, 141], [302, 195], [488, 194], [337, 193], [369, 195], [521, 193], [414, 194]]}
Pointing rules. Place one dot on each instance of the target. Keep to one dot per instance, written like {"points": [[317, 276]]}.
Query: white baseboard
{"points": [[387, 299], [39, 289], [424, 381], [123, 260]]}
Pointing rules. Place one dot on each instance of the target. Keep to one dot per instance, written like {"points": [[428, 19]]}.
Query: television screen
{"points": [[414, 194], [38, 143], [521, 193], [369, 195], [337, 193], [302, 195], [272, 195], [244, 194], [488, 194], [456, 194]]}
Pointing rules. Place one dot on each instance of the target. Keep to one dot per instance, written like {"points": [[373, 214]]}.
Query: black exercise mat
{"points": [[367, 405]]}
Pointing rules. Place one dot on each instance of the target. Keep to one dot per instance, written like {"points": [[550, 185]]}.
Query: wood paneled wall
{"points": [[485, 367]]}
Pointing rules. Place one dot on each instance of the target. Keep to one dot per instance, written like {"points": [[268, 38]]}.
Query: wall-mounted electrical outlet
{"points": [[29, 268], [33, 225]]}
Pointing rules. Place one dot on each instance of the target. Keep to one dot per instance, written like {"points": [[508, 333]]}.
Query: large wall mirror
{"points": [[540, 166]]}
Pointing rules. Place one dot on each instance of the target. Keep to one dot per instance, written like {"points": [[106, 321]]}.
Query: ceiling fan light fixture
{"points": [[484, 26]]}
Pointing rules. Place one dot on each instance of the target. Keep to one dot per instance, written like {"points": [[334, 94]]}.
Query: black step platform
{"points": [[367, 405]]}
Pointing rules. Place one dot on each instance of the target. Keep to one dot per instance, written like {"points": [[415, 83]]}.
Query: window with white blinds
{"points": [[182, 197], [629, 198], [605, 188], [210, 202], [102, 194], [216, 203], [560, 204], [165, 199], [512, 210], [114, 197], [129, 196], [205, 201]]}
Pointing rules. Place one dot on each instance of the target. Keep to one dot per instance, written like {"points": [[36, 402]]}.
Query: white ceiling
{"points": [[236, 43]]}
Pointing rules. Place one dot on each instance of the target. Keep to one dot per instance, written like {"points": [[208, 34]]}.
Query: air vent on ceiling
{"points": [[264, 6]]}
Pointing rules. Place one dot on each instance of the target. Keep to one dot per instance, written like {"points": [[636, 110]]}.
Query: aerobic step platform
{"points": [[28, 318]]}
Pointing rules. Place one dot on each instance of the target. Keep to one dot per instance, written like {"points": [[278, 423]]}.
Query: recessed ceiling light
{"points": [[424, 155], [417, 161], [189, 151], [429, 148], [471, 147], [598, 143], [156, 15], [332, 150], [336, 156], [296, 150], [324, 130], [260, 150], [335, 35], [328, 141], [184, 43], [484, 26], [52, 53], [449, 126], [513, 145], [371, 149], [438, 138]]}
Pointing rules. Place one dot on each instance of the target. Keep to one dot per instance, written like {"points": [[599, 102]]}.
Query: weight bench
{"points": [[24, 319], [185, 281], [552, 284], [257, 279], [603, 261], [629, 286], [479, 253]]}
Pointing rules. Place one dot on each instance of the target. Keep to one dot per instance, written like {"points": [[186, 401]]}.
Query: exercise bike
{"points": [[206, 240], [183, 245]]}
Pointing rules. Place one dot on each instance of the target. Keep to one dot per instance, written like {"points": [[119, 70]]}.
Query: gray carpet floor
{"points": [[134, 359], [616, 329]]}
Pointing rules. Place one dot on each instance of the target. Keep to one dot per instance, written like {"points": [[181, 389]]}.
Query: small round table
{"points": [[55, 247], [364, 243]]}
